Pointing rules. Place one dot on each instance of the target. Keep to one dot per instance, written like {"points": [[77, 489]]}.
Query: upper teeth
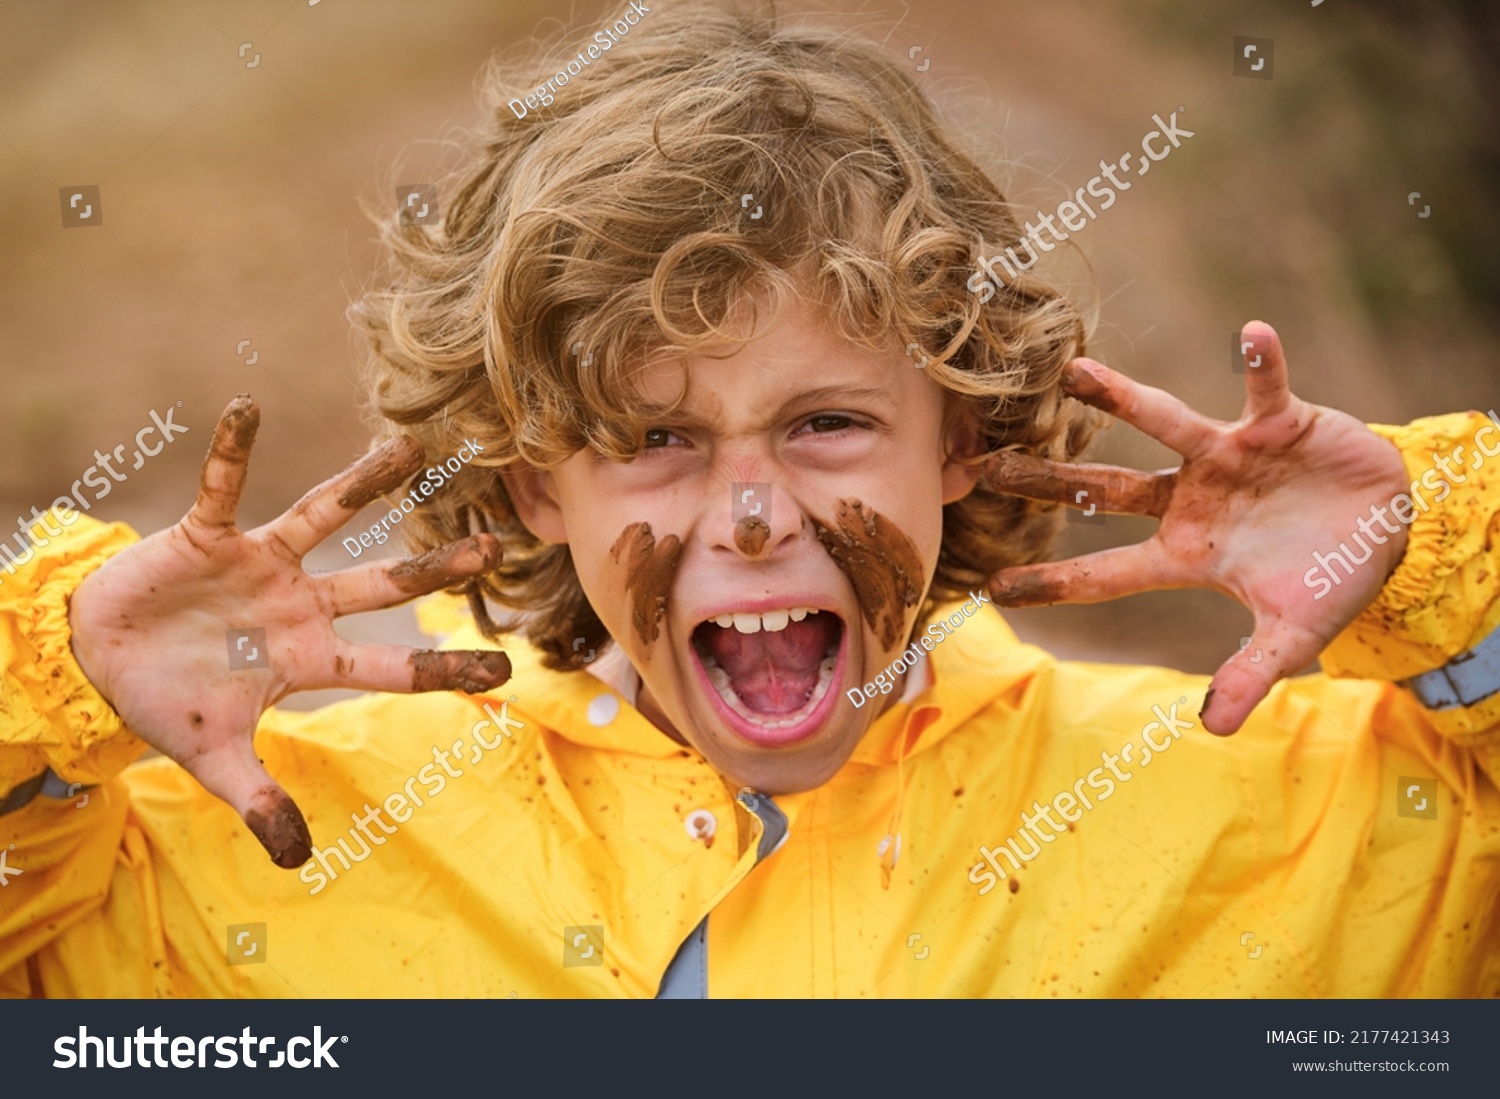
{"points": [[773, 621]]}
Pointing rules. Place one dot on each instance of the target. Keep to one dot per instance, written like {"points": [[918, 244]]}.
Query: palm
{"points": [[158, 627], [1244, 514]]}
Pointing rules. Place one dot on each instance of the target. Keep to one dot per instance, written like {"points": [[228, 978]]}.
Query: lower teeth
{"points": [[720, 679]]}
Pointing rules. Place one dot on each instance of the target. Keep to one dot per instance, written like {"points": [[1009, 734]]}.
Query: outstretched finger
{"points": [[223, 476], [1081, 485], [1158, 413], [1244, 680], [1092, 578], [1267, 390], [234, 774], [397, 669], [337, 500], [378, 584]]}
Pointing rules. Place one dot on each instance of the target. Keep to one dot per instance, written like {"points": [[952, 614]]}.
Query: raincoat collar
{"points": [[973, 667]]}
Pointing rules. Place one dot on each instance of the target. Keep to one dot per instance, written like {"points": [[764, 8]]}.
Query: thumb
{"points": [[233, 774], [1244, 680]]}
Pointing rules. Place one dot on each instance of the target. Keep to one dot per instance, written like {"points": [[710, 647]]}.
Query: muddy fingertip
{"points": [[447, 564], [381, 470], [1080, 381], [275, 820], [1208, 700], [1024, 590], [238, 424], [472, 671]]}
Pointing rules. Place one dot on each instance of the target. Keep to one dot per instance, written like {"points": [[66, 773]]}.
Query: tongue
{"points": [[773, 673]]}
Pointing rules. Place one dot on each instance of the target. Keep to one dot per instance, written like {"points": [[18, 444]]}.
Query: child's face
{"points": [[846, 449]]}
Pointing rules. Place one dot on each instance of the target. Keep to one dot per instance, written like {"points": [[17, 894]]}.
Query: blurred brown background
{"points": [[230, 195]]}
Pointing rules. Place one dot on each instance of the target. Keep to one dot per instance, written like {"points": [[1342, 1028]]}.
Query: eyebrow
{"points": [[827, 394], [831, 393]]}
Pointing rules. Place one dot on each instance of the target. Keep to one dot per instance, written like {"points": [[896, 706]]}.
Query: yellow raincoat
{"points": [[576, 848]]}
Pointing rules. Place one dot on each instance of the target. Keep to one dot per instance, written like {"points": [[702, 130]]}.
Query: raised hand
{"points": [[1243, 514], [149, 627]]}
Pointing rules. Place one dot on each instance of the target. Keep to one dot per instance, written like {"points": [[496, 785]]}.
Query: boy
{"points": [[759, 732]]}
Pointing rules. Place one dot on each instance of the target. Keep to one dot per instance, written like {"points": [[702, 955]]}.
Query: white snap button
{"points": [[701, 824], [604, 709]]}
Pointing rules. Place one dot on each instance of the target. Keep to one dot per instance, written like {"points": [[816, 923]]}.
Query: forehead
{"points": [[786, 355]]}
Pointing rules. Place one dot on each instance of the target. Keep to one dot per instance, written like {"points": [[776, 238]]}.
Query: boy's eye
{"points": [[829, 422], [657, 437]]}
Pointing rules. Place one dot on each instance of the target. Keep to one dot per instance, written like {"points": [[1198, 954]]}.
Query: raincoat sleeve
{"points": [[50, 714], [54, 725], [1441, 601]]}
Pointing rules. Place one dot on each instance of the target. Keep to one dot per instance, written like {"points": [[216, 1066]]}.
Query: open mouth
{"points": [[769, 673]]}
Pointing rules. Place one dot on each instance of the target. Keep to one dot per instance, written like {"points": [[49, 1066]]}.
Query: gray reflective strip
{"points": [[21, 795], [773, 823], [1466, 679], [686, 977], [47, 784], [53, 786]]}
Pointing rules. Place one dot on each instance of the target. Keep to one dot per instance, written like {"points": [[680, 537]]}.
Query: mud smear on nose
{"points": [[879, 560], [750, 534], [649, 571]]}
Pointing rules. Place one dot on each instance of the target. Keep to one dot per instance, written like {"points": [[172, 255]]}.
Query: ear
{"points": [[533, 493], [962, 443]]}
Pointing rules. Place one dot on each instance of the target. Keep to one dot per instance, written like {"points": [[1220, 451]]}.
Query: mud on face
{"points": [[750, 535], [881, 562], [650, 568]]}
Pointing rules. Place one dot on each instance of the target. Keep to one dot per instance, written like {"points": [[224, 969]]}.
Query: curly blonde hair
{"points": [[613, 219]]}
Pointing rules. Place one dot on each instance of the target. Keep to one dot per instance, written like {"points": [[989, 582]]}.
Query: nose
{"points": [[758, 519]]}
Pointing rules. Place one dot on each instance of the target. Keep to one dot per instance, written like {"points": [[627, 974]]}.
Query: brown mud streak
{"points": [[389, 465], [650, 569], [880, 561], [277, 822], [750, 534], [472, 671], [435, 568]]}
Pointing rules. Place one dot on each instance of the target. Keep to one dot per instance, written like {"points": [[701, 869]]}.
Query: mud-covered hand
{"points": [[150, 627], [1243, 514]]}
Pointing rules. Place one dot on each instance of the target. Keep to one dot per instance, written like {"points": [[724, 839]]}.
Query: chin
{"points": [[770, 776]]}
